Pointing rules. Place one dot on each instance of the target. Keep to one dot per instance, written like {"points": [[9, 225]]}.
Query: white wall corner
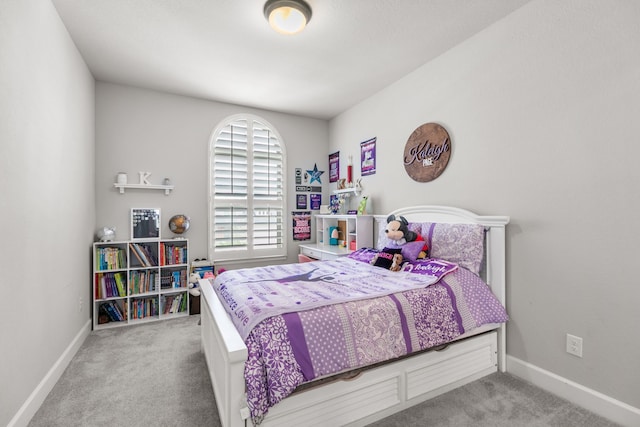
{"points": [[596, 402], [39, 394]]}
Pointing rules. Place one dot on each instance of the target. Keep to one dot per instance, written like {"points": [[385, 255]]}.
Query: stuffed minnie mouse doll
{"points": [[398, 232]]}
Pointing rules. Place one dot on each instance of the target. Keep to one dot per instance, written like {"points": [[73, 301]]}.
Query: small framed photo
{"points": [[334, 166], [301, 201], [315, 200], [145, 223]]}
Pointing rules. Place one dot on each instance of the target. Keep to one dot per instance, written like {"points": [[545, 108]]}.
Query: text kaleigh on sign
{"points": [[426, 150]]}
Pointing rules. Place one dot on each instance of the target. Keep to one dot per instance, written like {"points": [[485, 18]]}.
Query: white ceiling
{"points": [[224, 50]]}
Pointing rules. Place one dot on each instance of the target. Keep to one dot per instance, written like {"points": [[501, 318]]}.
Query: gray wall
{"points": [[542, 108], [543, 111], [47, 199], [168, 135]]}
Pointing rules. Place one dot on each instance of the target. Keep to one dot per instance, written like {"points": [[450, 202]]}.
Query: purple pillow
{"points": [[410, 250], [430, 267], [462, 244]]}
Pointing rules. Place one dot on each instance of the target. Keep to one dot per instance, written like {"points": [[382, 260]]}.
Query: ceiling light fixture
{"points": [[287, 16]]}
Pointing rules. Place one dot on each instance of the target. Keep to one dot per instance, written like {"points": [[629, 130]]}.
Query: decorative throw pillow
{"points": [[389, 258], [462, 244], [430, 267], [411, 250]]}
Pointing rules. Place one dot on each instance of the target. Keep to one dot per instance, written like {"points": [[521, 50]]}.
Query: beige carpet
{"points": [[154, 374]]}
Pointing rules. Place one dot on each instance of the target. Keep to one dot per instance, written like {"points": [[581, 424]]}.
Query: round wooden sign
{"points": [[427, 152]]}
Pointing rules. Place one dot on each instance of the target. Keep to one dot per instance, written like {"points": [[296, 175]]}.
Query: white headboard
{"points": [[495, 252]]}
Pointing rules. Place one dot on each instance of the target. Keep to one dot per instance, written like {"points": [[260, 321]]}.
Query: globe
{"points": [[179, 224]]}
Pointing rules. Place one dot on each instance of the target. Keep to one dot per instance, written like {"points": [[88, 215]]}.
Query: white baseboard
{"points": [[601, 404], [35, 399]]}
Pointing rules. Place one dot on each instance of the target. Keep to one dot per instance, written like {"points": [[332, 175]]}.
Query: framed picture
{"points": [[368, 157], [315, 200], [301, 201], [301, 226], [334, 166], [145, 223]]}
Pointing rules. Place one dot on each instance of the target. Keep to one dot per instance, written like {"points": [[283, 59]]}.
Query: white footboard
{"points": [[373, 395], [225, 354], [391, 388]]}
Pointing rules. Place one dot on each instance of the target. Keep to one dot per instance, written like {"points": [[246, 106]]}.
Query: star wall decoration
{"points": [[315, 174]]}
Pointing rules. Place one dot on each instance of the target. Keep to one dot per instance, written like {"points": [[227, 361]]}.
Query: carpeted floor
{"points": [[498, 400], [154, 374], [151, 374]]}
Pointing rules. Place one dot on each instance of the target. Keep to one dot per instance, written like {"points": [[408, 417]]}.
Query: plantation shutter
{"points": [[248, 212]]}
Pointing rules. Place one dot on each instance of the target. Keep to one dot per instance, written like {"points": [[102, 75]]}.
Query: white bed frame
{"points": [[378, 392]]}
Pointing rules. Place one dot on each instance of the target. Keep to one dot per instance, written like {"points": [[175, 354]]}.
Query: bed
{"points": [[379, 391]]}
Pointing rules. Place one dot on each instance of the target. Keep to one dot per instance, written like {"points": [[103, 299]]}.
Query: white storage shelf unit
{"points": [[139, 280], [355, 230]]}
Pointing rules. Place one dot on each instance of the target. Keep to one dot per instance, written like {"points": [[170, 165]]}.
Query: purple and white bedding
{"points": [[251, 295], [288, 348]]}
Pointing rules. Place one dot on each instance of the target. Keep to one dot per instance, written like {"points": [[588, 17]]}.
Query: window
{"points": [[247, 190]]}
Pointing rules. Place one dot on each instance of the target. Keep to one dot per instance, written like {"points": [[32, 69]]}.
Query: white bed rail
{"points": [[225, 353]]}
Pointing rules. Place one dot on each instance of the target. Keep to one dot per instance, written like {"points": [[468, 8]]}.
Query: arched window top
{"points": [[247, 188]]}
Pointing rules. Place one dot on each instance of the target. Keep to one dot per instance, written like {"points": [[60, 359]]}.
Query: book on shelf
{"points": [[173, 279], [110, 285], [140, 250], [113, 311], [142, 281], [144, 307], [136, 253], [183, 303], [143, 254], [121, 283], [172, 254], [149, 255], [110, 258], [179, 279], [173, 304]]}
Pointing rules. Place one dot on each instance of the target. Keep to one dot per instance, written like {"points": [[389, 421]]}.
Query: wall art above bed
{"points": [[427, 152]]}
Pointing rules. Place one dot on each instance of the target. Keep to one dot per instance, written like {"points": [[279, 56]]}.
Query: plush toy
{"points": [[194, 286], [362, 208], [398, 232], [396, 265]]}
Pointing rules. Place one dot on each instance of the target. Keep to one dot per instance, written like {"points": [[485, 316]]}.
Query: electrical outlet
{"points": [[574, 345], [80, 305]]}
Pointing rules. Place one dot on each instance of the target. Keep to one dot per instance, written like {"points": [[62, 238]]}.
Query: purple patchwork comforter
{"points": [[289, 349], [251, 295]]}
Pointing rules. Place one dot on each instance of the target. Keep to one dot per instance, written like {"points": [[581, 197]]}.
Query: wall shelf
{"points": [[355, 189], [349, 191], [167, 188]]}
